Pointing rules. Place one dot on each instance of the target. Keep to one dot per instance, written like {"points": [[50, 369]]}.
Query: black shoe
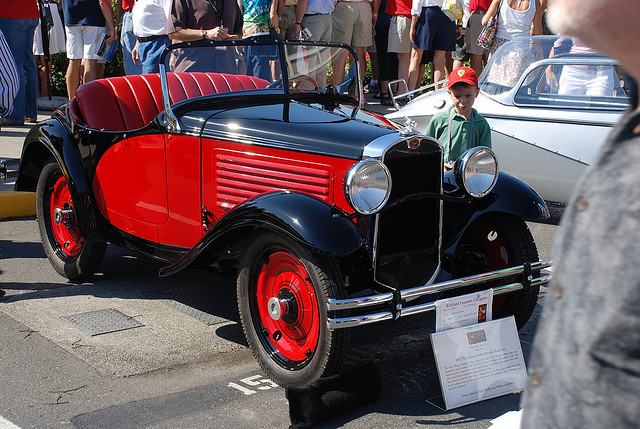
{"points": [[385, 100]]}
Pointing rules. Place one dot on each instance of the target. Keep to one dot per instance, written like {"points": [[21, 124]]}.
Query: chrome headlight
{"points": [[367, 186], [477, 171]]}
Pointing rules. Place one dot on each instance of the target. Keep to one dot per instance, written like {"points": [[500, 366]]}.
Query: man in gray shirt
{"points": [[585, 365]]}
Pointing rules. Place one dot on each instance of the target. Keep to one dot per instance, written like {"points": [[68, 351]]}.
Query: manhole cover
{"points": [[102, 321]]}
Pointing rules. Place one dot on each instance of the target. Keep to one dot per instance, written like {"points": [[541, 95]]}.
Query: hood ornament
{"points": [[409, 127]]}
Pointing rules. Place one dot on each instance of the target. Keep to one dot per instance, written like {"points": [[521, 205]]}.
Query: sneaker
{"points": [[371, 87], [31, 121]]}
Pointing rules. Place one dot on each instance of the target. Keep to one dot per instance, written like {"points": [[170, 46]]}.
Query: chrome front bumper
{"points": [[394, 300]]}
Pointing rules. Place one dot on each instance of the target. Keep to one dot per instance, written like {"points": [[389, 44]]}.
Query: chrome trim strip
{"points": [[349, 322], [174, 124], [378, 147], [549, 120], [339, 304]]}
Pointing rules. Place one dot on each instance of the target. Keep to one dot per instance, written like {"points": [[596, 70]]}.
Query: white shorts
{"points": [[83, 42]]}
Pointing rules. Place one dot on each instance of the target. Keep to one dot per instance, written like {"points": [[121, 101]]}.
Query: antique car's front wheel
{"points": [[69, 252], [283, 289], [494, 242]]}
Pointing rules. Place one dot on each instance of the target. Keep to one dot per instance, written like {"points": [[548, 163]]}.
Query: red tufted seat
{"points": [[130, 102]]}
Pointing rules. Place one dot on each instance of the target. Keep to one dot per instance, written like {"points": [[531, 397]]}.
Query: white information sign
{"points": [[479, 362], [464, 310]]}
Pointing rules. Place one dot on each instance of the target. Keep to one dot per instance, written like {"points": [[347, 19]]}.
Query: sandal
{"points": [[385, 100]]}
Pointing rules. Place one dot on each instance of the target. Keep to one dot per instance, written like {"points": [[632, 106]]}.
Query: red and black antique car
{"points": [[330, 216]]}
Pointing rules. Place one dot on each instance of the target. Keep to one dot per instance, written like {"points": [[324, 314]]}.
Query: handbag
{"points": [[485, 38], [453, 9]]}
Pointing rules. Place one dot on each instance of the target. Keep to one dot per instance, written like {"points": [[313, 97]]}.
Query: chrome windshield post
{"points": [[173, 123]]}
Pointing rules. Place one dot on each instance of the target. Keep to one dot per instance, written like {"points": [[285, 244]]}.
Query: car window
{"points": [[573, 86], [553, 71]]}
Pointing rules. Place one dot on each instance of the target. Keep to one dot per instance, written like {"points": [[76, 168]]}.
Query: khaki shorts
{"points": [[400, 35], [287, 23], [471, 33], [352, 23]]}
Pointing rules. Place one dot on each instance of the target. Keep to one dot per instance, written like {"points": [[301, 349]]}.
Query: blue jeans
{"points": [[150, 54], [128, 41], [19, 35]]}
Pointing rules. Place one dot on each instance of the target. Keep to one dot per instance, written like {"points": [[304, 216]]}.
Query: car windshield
{"points": [[287, 67], [512, 60]]}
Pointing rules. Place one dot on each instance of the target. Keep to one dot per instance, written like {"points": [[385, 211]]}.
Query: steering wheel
{"points": [[303, 83]]}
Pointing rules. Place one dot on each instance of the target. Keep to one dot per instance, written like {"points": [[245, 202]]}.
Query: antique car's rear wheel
{"points": [[71, 255], [282, 298], [492, 243]]}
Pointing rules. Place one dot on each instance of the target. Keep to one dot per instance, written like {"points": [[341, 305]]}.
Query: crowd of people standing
{"points": [[401, 36]]}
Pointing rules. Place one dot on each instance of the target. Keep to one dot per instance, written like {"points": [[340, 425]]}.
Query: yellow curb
{"points": [[17, 204]]}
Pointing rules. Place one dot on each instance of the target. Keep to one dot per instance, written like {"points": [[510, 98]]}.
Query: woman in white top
{"points": [[517, 18]]}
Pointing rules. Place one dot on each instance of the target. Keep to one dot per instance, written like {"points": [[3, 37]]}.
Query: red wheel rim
{"points": [[295, 334], [490, 241], [66, 234]]}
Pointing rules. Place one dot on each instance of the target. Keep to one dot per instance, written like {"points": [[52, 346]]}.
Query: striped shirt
{"points": [[9, 80]]}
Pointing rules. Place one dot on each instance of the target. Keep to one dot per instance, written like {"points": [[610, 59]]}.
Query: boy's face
{"points": [[463, 97]]}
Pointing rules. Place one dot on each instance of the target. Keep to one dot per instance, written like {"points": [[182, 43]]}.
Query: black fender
{"points": [[510, 195], [300, 217], [51, 138]]}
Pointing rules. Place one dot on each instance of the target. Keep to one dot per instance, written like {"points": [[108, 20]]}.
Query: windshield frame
{"points": [[541, 46], [174, 124]]}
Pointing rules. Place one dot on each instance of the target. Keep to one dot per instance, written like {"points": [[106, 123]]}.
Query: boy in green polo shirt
{"points": [[460, 127]]}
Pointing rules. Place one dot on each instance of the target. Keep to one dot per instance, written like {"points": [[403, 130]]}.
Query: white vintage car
{"points": [[550, 102]]}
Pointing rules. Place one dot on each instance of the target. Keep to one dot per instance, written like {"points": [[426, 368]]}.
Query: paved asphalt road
{"points": [[187, 364]]}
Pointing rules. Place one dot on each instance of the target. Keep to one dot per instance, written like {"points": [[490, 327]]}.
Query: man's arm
{"points": [[301, 8], [275, 12], [105, 6], [375, 7], [190, 34]]}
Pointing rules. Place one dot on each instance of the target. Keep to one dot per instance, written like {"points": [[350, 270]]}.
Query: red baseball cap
{"points": [[463, 74]]}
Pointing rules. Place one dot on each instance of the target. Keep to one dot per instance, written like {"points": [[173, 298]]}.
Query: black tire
{"points": [[71, 255], [298, 348], [494, 242]]}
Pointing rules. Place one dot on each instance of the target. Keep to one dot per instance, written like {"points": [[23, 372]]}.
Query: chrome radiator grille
{"points": [[407, 238]]}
